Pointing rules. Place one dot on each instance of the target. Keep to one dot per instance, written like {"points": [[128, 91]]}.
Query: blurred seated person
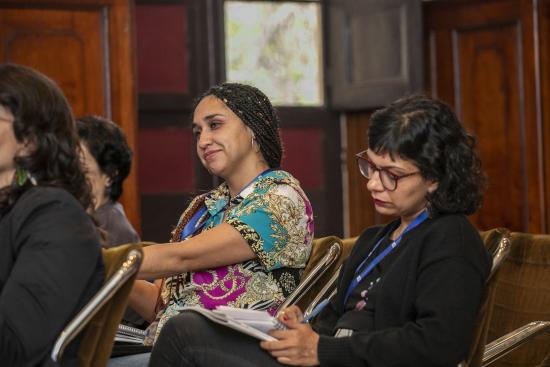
{"points": [[107, 160], [409, 293], [50, 254], [107, 163], [243, 244]]}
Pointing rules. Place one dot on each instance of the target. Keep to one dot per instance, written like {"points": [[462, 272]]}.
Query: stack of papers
{"points": [[251, 322], [128, 334]]}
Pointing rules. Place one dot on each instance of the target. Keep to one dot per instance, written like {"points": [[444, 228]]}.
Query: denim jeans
{"points": [[191, 340]]}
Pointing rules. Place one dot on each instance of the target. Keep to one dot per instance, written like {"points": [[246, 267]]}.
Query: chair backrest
{"points": [[327, 287], [327, 292], [522, 295], [324, 252], [497, 243], [99, 318]]}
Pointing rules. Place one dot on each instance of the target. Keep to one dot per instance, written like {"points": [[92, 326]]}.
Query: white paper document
{"points": [[251, 322]]}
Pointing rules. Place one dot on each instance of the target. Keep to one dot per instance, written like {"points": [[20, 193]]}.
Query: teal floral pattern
{"points": [[275, 217]]}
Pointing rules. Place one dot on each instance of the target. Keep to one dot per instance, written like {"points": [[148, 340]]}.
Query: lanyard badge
{"points": [[358, 277], [193, 226]]}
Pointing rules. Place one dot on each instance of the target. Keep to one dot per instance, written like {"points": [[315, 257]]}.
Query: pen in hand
{"points": [[316, 310]]}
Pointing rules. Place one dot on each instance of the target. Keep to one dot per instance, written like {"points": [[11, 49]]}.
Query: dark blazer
{"points": [[50, 266]]}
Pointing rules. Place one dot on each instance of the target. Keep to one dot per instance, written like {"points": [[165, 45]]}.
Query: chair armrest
{"points": [[507, 343]]}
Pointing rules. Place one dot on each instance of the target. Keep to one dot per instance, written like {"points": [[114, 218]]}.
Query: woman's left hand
{"points": [[295, 346]]}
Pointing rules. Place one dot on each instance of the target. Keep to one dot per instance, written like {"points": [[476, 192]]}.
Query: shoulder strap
{"points": [[195, 207]]}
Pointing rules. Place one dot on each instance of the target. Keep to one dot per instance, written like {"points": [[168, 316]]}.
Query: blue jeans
{"points": [[191, 340]]}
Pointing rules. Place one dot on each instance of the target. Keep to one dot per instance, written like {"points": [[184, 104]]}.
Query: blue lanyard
{"points": [[358, 277], [193, 226]]}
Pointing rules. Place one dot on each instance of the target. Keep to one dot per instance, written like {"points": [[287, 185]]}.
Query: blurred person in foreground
{"points": [[107, 162], [50, 254]]}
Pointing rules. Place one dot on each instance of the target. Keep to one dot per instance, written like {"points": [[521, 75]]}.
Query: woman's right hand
{"points": [[292, 314], [297, 345]]}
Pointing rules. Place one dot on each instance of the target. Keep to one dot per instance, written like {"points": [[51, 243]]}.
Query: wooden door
{"points": [[87, 48], [482, 59]]}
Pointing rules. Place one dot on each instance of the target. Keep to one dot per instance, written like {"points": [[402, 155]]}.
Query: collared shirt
{"points": [[275, 217]]}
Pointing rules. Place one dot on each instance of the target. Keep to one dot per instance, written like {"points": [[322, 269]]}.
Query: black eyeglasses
{"points": [[388, 179]]}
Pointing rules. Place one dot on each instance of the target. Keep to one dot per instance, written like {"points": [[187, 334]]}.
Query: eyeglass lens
{"points": [[367, 169]]}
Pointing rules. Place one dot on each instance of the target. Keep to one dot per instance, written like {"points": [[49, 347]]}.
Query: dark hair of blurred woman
{"points": [[42, 117], [107, 144]]}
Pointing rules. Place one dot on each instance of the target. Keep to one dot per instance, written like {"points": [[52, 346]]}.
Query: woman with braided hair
{"points": [[244, 243]]}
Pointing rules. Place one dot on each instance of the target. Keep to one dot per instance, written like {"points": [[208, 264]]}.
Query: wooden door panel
{"points": [[361, 212], [544, 65], [440, 73], [87, 48], [63, 44], [481, 61], [489, 107]]}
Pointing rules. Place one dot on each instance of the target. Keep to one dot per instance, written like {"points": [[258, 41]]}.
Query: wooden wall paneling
{"points": [[543, 25], [495, 109], [530, 110], [87, 47], [501, 89], [120, 22], [360, 212], [57, 42], [489, 49], [440, 70]]}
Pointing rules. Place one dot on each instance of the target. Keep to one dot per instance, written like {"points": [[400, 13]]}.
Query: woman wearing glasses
{"points": [[409, 293]]}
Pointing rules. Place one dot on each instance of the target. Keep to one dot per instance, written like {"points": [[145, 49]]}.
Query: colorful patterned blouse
{"points": [[275, 217]]}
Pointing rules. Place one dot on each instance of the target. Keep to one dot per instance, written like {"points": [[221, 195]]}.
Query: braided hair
{"points": [[256, 112]]}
